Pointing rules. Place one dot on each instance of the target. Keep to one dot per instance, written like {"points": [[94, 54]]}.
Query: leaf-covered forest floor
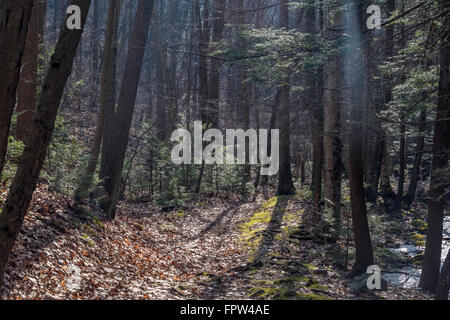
{"points": [[257, 248]]}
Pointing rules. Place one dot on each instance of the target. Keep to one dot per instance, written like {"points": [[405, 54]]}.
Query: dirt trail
{"points": [[145, 253], [215, 249]]}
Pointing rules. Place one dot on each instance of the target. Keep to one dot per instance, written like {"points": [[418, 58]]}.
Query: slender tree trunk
{"points": [[441, 147], [110, 107], [411, 195], [386, 164], [302, 168], [168, 83], [14, 21], [32, 159], [315, 109], [363, 243], [402, 164], [273, 124], [107, 86], [214, 75], [203, 44], [95, 55], [332, 140], [376, 166], [127, 98], [443, 286], [285, 184], [26, 91]]}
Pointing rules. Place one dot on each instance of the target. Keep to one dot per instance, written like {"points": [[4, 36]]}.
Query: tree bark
{"points": [[387, 193], [26, 91], [32, 159], [285, 184], [363, 243], [14, 21], [315, 109], [214, 75], [107, 96], [411, 195], [332, 140], [402, 164], [441, 147], [443, 286], [127, 98]]}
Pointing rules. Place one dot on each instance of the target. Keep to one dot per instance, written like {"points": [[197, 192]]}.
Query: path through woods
{"points": [[216, 249]]}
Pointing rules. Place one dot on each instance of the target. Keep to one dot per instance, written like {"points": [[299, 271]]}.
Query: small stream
{"points": [[409, 277]]}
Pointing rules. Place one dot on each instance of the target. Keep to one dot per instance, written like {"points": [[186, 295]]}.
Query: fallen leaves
{"points": [[63, 253]]}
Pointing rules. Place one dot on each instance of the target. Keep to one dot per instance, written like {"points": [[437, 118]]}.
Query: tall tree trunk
{"points": [[26, 91], [411, 195], [332, 140], [273, 124], [14, 21], [214, 75], [127, 98], [107, 96], [441, 147], [32, 159], [363, 243], [110, 107], [402, 163], [443, 286], [95, 55], [386, 164], [285, 184], [168, 82], [315, 109], [203, 44]]}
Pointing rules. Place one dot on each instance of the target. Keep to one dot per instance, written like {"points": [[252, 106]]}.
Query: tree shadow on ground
{"points": [[221, 284], [272, 229], [215, 223]]}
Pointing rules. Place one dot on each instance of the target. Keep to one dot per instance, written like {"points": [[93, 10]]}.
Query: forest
{"points": [[224, 149]]}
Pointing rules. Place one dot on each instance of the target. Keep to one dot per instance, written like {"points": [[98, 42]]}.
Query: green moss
{"points": [[179, 214], [283, 294], [293, 218], [385, 257], [166, 227], [316, 286], [309, 266], [312, 296], [251, 229], [261, 217], [295, 279], [269, 203], [418, 239], [417, 260], [420, 225]]}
